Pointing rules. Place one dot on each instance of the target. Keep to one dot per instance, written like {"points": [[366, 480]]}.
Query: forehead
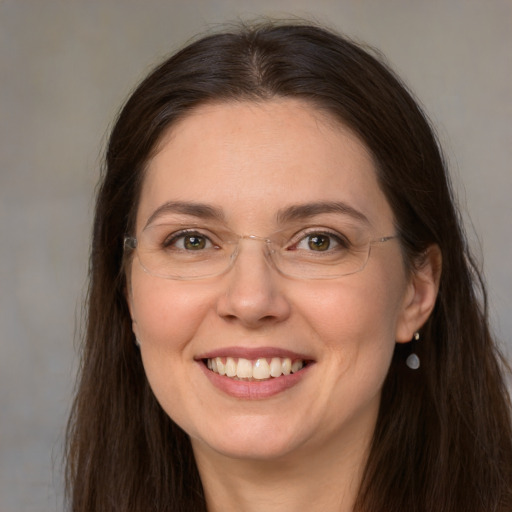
{"points": [[252, 159]]}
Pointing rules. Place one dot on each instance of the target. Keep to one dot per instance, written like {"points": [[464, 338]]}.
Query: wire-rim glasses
{"points": [[186, 253]]}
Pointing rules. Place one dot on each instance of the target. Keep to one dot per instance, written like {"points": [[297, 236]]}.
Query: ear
{"points": [[420, 296]]}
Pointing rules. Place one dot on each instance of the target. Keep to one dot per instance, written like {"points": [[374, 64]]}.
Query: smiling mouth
{"points": [[254, 370]]}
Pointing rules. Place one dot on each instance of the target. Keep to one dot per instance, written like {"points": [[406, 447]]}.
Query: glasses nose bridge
{"points": [[268, 250], [255, 238]]}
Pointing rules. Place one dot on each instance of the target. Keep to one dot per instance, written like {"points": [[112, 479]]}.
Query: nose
{"points": [[253, 296]]}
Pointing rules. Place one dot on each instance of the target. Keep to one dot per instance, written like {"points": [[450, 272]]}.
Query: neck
{"points": [[322, 478]]}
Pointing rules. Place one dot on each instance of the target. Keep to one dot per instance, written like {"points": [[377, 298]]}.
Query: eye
{"points": [[320, 242], [188, 241]]}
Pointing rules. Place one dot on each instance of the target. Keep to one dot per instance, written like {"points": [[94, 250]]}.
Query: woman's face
{"points": [[255, 169]]}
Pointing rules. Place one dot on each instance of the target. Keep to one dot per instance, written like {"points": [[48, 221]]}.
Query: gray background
{"points": [[65, 68]]}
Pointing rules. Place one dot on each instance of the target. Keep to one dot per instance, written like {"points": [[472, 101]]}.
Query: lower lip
{"points": [[254, 390]]}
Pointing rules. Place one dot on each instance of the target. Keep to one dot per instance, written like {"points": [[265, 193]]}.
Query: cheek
{"points": [[356, 316], [355, 322], [167, 319], [165, 316]]}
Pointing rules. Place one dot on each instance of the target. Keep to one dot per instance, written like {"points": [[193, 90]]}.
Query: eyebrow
{"points": [[199, 210], [288, 214], [308, 210]]}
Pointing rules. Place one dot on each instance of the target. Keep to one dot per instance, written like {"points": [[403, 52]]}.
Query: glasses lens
{"points": [[174, 252], [321, 264], [171, 251]]}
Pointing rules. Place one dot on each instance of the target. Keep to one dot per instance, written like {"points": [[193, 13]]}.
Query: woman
{"points": [[283, 313]]}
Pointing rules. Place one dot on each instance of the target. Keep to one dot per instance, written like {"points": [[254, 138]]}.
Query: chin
{"points": [[251, 451], [240, 442]]}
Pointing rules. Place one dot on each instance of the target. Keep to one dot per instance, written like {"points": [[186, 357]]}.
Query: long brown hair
{"points": [[443, 440]]}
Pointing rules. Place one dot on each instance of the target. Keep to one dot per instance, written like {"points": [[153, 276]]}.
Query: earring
{"points": [[137, 343], [413, 361]]}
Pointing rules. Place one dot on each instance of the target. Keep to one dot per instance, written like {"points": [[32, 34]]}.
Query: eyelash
{"points": [[171, 240], [337, 237], [340, 240]]}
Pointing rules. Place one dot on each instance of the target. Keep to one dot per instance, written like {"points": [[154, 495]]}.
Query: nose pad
{"points": [[254, 294]]}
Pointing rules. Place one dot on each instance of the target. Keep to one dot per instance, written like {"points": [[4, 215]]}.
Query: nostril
{"points": [[230, 318]]}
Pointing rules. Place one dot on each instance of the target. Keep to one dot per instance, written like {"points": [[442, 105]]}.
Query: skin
{"points": [[307, 444]]}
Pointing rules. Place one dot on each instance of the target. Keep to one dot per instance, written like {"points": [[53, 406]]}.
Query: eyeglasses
{"points": [[174, 251]]}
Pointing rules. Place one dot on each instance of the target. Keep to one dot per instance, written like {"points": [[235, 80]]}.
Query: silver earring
{"points": [[137, 343], [413, 361]]}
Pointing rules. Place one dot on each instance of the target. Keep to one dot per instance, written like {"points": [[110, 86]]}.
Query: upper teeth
{"points": [[259, 369]]}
